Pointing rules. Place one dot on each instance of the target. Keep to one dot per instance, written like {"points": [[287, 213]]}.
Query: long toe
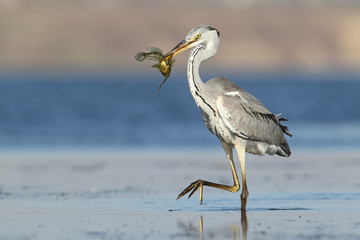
{"points": [[192, 187]]}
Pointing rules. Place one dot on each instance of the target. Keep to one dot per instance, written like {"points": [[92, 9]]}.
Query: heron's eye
{"points": [[198, 36]]}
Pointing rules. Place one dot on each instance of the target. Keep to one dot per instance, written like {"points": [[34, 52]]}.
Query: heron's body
{"points": [[240, 115], [237, 118]]}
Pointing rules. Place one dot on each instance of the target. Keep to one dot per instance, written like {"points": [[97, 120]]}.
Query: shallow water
{"points": [[299, 216], [122, 195]]}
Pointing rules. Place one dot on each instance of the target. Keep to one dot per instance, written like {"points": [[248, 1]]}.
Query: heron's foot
{"points": [[193, 187]]}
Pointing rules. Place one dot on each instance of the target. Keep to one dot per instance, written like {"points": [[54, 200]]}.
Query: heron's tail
{"points": [[285, 149], [284, 146]]}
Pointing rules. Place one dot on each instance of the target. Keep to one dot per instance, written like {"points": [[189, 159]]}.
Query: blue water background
{"points": [[122, 110]]}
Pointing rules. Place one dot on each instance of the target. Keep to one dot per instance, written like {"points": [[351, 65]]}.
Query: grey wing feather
{"points": [[244, 114]]}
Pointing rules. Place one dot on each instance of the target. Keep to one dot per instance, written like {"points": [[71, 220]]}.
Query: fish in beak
{"points": [[165, 62]]}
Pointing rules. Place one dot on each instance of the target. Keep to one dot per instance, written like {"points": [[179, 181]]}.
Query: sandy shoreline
{"points": [[113, 169], [131, 195], [85, 36]]}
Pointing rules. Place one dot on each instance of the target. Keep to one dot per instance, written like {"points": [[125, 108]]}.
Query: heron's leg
{"points": [[198, 184], [229, 155], [240, 146]]}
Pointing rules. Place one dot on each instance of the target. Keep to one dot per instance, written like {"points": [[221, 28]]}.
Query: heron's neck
{"points": [[196, 85]]}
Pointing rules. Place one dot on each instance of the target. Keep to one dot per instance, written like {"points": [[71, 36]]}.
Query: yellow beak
{"points": [[182, 46]]}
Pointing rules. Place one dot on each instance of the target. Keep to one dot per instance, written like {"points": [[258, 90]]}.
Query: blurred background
{"points": [[69, 80]]}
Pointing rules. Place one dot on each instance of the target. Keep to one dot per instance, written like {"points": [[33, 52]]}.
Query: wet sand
{"points": [[131, 195]]}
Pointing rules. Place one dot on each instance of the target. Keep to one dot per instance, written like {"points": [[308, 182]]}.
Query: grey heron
{"points": [[236, 117]]}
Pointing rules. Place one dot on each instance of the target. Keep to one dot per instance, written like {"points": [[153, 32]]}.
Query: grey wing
{"points": [[246, 117]]}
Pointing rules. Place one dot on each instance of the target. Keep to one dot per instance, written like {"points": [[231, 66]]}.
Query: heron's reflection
{"points": [[244, 224], [237, 229]]}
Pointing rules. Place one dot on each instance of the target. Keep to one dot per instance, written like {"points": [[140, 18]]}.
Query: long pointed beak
{"points": [[182, 46]]}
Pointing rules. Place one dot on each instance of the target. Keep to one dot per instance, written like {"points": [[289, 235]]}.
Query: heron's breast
{"points": [[216, 126]]}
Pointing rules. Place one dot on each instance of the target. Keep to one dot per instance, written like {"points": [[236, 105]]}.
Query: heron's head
{"points": [[201, 35]]}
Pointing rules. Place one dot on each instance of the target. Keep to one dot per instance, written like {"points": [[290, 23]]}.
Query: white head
{"points": [[202, 36]]}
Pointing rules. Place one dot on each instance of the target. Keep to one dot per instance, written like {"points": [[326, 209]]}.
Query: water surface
{"points": [[120, 111]]}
